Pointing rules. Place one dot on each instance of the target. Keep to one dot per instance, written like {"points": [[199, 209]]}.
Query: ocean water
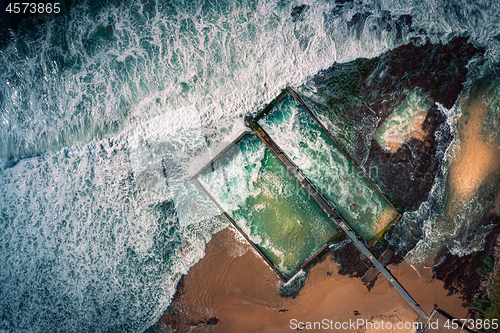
{"points": [[106, 112], [462, 231]]}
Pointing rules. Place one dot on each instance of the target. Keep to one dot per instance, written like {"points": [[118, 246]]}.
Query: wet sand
{"points": [[234, 285], [477, 157]]}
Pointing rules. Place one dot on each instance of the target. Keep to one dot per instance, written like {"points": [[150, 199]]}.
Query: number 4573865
{"points": [[33, 8], [472, 324]]}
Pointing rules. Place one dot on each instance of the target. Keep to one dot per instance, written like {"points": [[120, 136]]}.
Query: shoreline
{"points": [[232, 289]]}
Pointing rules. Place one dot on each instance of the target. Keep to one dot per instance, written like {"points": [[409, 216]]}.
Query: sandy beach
{"points": [[234, 285]]}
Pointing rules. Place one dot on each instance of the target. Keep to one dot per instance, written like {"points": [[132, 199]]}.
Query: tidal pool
{"points": [[268, 204], [328, 168]]}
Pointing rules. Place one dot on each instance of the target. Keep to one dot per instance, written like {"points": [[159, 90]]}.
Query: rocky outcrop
{"points": [[468, 274], [358, 96]]}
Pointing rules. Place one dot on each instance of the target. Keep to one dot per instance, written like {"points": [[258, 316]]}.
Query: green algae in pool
{"points": [[268, 204], [328, 168]]}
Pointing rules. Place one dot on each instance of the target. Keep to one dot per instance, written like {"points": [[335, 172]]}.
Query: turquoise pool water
{"points": [[268, 204]]}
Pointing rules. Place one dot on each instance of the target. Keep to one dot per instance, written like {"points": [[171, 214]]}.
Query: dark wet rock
{"points": [[465, 275], [439, 70], [355, 264], [403, 25], [248, 120], [407, 175], [357, 23], [357, 97], [351, 261], [212, 321], [372, 274]]}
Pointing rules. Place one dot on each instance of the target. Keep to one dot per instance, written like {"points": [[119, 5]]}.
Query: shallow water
{"points": [[404, 123], [478, 156], [465, 190]]}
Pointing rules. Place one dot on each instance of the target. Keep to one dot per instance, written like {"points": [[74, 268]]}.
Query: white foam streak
{"points": [[226, 64]]}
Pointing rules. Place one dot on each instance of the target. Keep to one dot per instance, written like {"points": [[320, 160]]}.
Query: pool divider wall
{"points": [[264, 257], [294, 94], [384, 230], [334, 215], [327, 207], [252, 244], [291, 167], [339, 220]]}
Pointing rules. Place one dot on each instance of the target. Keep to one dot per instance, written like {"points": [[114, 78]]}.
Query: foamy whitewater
{"points": [[106, 113]]}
